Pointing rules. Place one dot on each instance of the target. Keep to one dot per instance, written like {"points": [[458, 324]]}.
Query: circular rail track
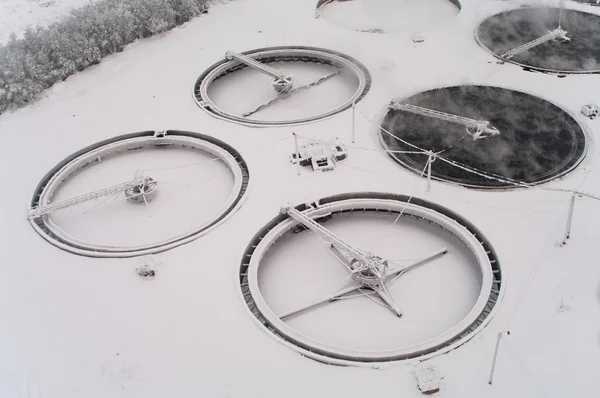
{"points": [[265, 290], [336, 73], [83, 166]]}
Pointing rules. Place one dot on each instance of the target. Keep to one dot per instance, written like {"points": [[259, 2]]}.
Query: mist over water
{"points": [[537, 139], [506, 31]]}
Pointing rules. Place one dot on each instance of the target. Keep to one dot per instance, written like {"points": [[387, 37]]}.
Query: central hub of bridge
{"points": [[144, 191], [369, 271], [282, 83]]}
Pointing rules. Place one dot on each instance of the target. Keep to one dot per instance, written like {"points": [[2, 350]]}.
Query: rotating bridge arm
{"points": [[556, 33], [347, 251], [37, 212], [476, 128], [251, 62], [371, 272]]}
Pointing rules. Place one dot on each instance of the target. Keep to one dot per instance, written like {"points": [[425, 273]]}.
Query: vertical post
{"points": [[494, 359], [561, 5], [353, 122], [429, 160], [569, 220], [297, 153]]}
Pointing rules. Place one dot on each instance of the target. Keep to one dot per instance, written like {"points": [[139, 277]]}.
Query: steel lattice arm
{"points": [[380, 289], [63, 204], [277, 74], [474, 127], [556, 33], [344, 248], [369, 272]]}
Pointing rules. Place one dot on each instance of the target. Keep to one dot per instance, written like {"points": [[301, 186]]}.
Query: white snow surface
{"points": [[389, 16], [82, 327], [17, 15]]}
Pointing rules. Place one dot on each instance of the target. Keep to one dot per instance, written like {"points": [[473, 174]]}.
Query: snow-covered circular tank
{"points": [[139, 193], [554, 40], [278, 86], [364, 278], [379, 16]]}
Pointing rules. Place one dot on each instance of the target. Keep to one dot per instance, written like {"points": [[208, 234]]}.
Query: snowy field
{"points": [[82, 327], [16, 15]]}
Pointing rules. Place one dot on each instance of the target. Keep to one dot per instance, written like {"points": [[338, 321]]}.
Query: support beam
{"points": [[494, 358], [251, 62], [429, 161], [63, 204], [353, 122], [476, 128], [316, 303], [392, 273], [325, 234], [567, 234], [556, 33]]}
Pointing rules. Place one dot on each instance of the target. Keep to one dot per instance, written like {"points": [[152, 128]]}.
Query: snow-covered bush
{"points": [[46, 55]]}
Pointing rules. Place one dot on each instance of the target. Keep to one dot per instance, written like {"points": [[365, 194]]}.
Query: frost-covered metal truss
{"points": [[558, 33], [282, 83], [136, 187], [365, 271], [369, 272], [476, 128]]}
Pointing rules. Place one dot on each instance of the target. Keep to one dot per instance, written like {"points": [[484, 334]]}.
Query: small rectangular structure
{"points": [[321, 157], [590, 110], [418, 37], [428, 379]]}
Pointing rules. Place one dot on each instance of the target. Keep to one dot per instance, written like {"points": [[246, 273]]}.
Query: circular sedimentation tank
{"points": [[380, 16], [590, 2], [139, 193], [504, 32], [313, 84], [429, 255], [537, 141]]}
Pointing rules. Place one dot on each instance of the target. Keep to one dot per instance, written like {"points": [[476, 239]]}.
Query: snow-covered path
{"points": [[81, 327]]}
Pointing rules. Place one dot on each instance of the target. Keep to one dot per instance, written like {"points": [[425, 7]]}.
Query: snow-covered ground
{"points": [[82, 327], [389, 16], [16, 15]]}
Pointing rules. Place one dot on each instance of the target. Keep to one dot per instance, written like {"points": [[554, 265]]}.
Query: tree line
{"points": [[46, 55]]}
